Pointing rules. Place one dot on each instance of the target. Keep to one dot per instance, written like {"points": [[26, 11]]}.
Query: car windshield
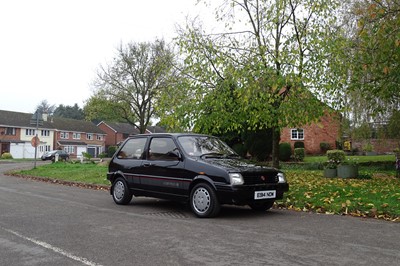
{"points": [[205, 146]]}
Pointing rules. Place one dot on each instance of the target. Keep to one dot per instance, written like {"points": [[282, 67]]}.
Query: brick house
{"points": [[77, 136], [74, 136], [326, 130], [118, 132]]}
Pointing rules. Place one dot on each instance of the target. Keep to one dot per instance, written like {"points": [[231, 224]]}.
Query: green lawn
{"points": [[376, 196], [84, 173]]}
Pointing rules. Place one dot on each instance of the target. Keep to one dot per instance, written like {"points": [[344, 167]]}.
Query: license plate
{"points": [[266, 194]]}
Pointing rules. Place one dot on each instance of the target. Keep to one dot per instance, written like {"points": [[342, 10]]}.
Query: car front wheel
{"points": [[120, 192], [203, 201]]}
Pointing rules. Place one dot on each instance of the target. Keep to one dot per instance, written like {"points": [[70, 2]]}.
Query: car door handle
{"points": [[147, 164]]}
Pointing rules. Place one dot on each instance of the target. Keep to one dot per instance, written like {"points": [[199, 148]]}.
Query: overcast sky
{"points": [[50, 49]]}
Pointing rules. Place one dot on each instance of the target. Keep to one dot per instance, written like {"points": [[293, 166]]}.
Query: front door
{"points": [[92, 151], [5, 147], [163, 172]]}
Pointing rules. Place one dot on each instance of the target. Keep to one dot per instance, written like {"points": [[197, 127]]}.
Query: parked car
{"points": [[50, 155], [198, 169]]}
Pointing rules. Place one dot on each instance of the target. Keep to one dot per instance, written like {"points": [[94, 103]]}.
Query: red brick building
{"points": [[116, 132], [326, 130]]}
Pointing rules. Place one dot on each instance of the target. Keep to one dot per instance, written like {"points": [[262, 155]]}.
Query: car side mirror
{"points": [[175, 154]]}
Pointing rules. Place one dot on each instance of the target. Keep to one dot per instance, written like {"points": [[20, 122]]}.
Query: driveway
{"points": [[49, 224]]}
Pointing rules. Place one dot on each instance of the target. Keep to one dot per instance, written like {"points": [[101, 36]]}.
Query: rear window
{"points": [[133, 149]]}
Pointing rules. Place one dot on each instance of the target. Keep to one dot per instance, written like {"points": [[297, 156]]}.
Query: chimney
{"points": [[44, 116]]}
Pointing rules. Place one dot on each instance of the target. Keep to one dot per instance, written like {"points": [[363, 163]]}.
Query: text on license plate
{"points": [[266, 194]]}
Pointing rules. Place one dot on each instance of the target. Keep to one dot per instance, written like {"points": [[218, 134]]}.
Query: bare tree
{"points": [[45, 107], [130, 84]]}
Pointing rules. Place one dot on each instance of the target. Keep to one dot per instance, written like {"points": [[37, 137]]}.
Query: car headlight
{"points": [[281, 178], [236, 179]]}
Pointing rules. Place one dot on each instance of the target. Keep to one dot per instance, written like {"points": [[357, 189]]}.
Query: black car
{"points": [[198, 169], [51, 155]]}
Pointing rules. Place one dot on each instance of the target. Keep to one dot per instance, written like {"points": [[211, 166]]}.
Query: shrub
{"points": [[324, 146], [87, 155], [299, 144], [285, 151], [339, 145], [111, 150], [299, 154], [6, 155], [336, 156], [368, 147]]}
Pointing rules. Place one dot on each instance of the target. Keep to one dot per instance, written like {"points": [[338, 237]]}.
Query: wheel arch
{"points": [[114, 176], [201, 179]]}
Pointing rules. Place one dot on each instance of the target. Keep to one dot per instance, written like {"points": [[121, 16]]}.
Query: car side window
{"points": [[163, 149], [133, 149]]}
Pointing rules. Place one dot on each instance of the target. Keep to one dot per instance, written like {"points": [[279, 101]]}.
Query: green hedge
{"points": [[336, 156], [298, 144], [285, 151], [299, 154]]}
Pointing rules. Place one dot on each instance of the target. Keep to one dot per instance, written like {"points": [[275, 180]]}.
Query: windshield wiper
{"points": [[212, 155], [232, 155]]}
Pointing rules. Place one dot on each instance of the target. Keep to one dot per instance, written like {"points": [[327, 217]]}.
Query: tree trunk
{"points": [[276, 138]]}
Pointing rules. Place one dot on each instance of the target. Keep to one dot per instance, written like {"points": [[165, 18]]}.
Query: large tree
{"points": [[376, 51], [258, 73], [370, 52], [129, 86], [67, 111]]}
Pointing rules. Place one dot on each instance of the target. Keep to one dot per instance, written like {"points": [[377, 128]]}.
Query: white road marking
{"points": [[52, 248]]}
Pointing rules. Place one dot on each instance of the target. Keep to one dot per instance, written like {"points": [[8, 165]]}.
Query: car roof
{"points": [[169, 135]]}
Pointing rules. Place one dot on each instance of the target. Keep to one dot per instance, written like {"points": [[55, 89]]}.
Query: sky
{"points": [[51, 49]]}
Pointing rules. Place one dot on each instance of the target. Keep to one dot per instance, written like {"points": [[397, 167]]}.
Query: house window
{"points": [[45, 133], [29, 132], [44, 148], [99, 137], [89, 136], [76, 136], [69, 149], [297, 134], [10, 131], [64, 135]]}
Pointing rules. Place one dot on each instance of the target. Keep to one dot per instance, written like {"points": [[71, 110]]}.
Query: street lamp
{"points": [[36, 120]]}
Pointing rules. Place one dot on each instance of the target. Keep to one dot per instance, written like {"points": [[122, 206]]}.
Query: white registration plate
{"points": [[266, 194]]}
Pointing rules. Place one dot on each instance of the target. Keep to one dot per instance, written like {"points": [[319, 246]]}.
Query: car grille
{"points": [[260, 178]]}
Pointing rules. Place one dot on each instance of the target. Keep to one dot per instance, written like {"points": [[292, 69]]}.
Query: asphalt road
{"points": [[49, 224]]}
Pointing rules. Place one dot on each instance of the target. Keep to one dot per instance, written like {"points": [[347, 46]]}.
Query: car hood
{"points": [[238, 165]]}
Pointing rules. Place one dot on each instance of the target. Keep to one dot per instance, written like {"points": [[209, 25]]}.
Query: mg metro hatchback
{"points": [[199, 169]]}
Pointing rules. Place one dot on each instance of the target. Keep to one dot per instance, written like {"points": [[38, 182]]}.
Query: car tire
{"points": [[203, 201], [261, 206], [120, 192]]}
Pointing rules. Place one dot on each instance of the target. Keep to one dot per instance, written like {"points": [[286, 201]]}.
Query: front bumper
{"points": [[244, 194]]}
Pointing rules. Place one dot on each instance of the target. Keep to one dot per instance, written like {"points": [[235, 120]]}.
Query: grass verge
{"points": [[81, 173], [377, 197]]}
